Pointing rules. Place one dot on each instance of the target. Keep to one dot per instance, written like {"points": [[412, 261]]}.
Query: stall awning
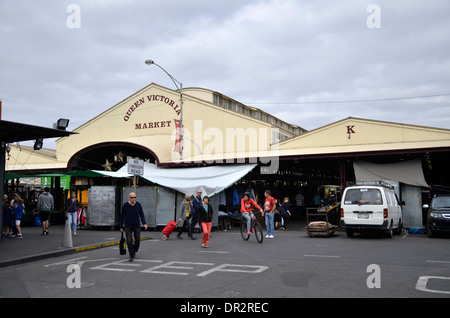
{"points": [[211, 179], [408, 172]]}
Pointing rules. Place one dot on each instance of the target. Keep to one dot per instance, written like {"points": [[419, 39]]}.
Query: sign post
{"points": [[135, 167]]}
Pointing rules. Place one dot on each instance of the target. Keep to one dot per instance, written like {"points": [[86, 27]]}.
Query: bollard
{"points": [[67, 240]]}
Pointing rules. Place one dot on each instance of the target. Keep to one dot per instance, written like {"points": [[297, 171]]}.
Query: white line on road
{"points": [[330, 256], [444, 262], [217, 252], [239, 269], [423, 281]]}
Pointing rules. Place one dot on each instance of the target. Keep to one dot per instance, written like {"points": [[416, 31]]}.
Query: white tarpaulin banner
{"points": [[211, 179], [408, 172]]}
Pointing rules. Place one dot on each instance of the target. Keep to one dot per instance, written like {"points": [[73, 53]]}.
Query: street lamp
{"points": [[180, 90]]}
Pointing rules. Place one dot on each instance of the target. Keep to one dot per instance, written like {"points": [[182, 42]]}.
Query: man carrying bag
{"points": [[132, 215], [122, 246]]}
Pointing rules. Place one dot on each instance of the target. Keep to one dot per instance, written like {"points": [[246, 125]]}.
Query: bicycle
{"points": [[255, 227]]}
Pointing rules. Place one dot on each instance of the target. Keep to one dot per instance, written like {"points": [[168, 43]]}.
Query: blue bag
{"points": [[416, 230]]}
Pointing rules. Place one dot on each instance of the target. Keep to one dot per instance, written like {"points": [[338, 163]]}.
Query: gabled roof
{"points": [[356, 135]]}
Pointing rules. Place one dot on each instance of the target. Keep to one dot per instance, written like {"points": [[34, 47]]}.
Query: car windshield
{"points": [[440, 203], [363, 196]]}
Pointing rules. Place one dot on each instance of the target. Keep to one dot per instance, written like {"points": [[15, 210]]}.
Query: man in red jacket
{"points": [[269, 208], [246, 209]]}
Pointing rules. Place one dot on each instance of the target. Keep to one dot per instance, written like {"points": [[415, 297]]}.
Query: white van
{"points": [[372, 206]]}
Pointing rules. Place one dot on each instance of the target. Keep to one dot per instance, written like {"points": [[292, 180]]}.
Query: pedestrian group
{"points": [[14, 210], [193, 210]]}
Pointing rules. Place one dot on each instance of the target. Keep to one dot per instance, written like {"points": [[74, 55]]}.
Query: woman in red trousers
{"points": [[205, 215]]}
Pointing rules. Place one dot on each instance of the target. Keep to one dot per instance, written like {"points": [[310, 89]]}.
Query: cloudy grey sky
{"points": [[308, 62]]}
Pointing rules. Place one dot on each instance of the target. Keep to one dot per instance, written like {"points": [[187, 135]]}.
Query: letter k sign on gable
{"points": [[350, 130]]}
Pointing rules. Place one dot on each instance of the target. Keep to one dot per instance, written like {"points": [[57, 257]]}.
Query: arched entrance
{"points": [[110, 156]]}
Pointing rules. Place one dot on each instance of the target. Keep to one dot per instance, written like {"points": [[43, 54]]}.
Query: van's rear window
{"points": [[363, 196]]}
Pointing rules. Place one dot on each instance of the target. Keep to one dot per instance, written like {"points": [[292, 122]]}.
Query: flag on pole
{"points": [[178, 135]]}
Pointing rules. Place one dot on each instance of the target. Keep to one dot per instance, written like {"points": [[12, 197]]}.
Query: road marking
{"points": [[80, 261], [329, 256], [444, 262], [171, 265], [106, 244], [244, 269], [167, 268], [217, 252], [423, 281], [123, 262]]}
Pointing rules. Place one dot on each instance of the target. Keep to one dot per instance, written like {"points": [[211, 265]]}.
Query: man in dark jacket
{"points": [[132, 214], [197, 202]]}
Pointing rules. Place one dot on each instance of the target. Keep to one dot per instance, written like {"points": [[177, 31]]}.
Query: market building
{"points": [[220, 131]]}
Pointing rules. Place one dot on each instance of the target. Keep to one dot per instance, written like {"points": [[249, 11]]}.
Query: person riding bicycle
{"points": [[246, 209]]}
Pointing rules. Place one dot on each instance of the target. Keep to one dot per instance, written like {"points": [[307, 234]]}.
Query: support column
{"points": [[342, 173], [2, 179]]}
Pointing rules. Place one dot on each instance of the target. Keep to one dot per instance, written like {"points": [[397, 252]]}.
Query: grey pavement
{"points": [[34, 246], [292, 265]]}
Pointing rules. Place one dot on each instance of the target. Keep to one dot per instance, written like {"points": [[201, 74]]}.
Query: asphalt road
{"points": [[292, 265]]}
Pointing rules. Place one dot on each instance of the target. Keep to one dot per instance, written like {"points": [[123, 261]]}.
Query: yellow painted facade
{"points": [[356, 135], [146, 119], [24, 158], [219, 129]]}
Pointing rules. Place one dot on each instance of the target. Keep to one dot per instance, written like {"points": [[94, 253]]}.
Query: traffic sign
{"points": [[135, 166]]}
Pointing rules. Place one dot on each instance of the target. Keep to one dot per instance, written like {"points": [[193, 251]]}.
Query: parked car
{"points": [[438, 217], [373, 207]]}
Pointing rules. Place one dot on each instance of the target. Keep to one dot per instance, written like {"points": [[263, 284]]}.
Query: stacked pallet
{"points": [[321, 228]]}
